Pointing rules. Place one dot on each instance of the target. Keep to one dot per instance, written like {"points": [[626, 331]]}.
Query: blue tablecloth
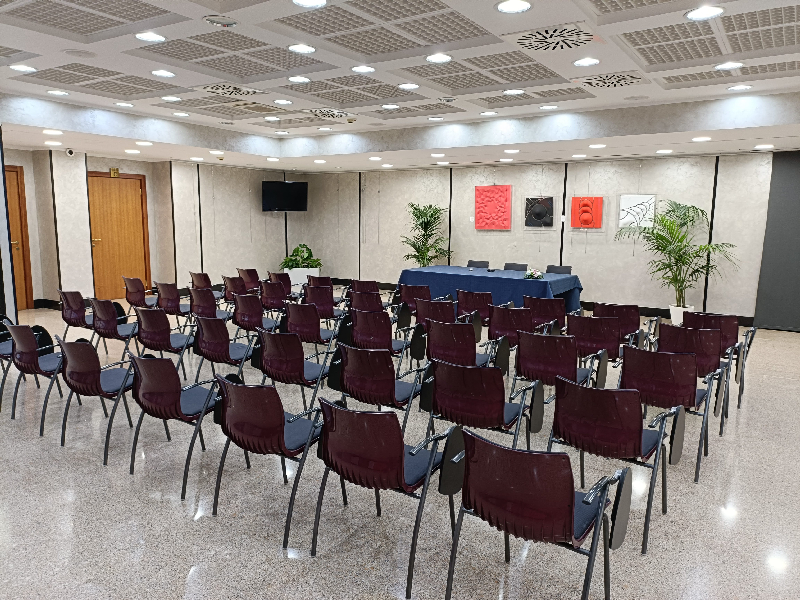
{"points": [[505, 285]]}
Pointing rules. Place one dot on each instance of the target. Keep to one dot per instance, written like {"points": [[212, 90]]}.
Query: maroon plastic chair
{"points": [[73, 312], [366, 301], [85, 377], [253, 418], [469, 302], [595, 334], [201, 281], [321, 281], [28, 360], [506, 322], [234, 286], [367, 449], [286, 281], [373, 331], [531, 495], [608, 423], [107, 324], [169, 300], [158, 392], [136, 295], [249, 315], [154, 333], [546, 310], [6, 356], [282, 360], [362, 286], [203, 303], [411, 293], [304, 320], [454, 343], [273, 296], [322, 298], [443, 311], [546, 357], [630, 322], [211, 343], [703, 343], [251, 279]]}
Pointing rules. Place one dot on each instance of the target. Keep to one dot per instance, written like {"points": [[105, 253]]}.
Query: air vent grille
{"points": [[699, 76], [614, 80], [394, 10], [225, 89], [554, 38]]}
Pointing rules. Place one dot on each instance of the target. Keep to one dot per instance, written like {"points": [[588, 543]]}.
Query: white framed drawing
{"points": [[637, 210]]}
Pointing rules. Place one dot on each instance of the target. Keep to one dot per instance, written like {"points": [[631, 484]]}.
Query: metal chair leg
{"points": [[418, 522], [44, 404], [127, 410], [6, 369], [202, 441], [344, 491], [303, 394], [452, 515], [507, 544], [453, 552], [14, 401], [247, 459], [219, 475], [103, 404], [110, 423], [378, 501], [587, 580], [64, 422], [36, 379], [606, 561], [58, 385], [136, 440], [663, 480], [703, 442], [319, 510], [583, 479], [200, 366], [283, 468], [296, 484], [166, 430], [191, 444]]}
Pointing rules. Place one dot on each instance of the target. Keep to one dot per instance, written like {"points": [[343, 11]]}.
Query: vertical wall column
{"points": [[9, 296]]}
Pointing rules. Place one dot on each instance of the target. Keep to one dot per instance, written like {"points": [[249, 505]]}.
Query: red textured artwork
{"points": [[587, 212], [492, 207]]}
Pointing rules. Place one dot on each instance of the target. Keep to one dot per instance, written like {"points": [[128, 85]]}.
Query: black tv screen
{"points": [[284, 196]]}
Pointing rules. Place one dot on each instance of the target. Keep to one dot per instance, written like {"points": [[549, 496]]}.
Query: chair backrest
{"points": [[273, 295], [157, 387], [371, 330], [546, 310], [203, 303], [469, 302], [81, 368], [452, 343], [134, 291], [469, 396], [252, 417], [282, 357], [515, 267], [304, 321], [250, 278], [154, 328], [507, 322], [546, 357], [322, 298], [360, 285], [478, 264], [319, 281], [366, 301], [105, 318], [366, 448], [599, 421], [594, 334], [211, 340], [703, 343], [200, 281], [628, 315], [728, 326], [233, 286], [528, 494], [443, 311], [26, 350], [368, 375], [73, 308], [559, 269], [169, 299], [664, 379], [285, 280], [248, 312], [411, 293]]}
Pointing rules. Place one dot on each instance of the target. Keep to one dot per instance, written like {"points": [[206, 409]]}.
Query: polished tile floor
{"points": [[72, 528]]}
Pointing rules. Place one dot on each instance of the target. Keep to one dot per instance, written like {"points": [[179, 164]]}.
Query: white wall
{"points": [[185, 207], [44, 207], [5, 246]]}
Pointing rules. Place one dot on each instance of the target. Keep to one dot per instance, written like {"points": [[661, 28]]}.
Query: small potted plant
{"points": [[534, 274], [300, 264]]}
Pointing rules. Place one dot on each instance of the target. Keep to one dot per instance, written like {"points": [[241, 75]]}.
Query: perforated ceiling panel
{"points": [[183, 50], [64, 17], [530, 72], [763, 29], [781, 67], [540, 97], [325, 21], [228, 40], [283, 59], [223, 107], [385, 91], [492, 100], [311, 88], [393, 10], [148, 84], [443, 27], [353, 81], [293, 122], [574, 91], [238, 66], [421, 110], [612, 6], [465, 81], [370, 42], [674, 43], [345, 96], [127, 10], [495, 61], [699, 76], [430, 71], [5, 52]]}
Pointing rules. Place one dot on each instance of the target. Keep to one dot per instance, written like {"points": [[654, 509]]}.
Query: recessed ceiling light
{"points": [[759, 147], [701, 139], [740, 88], [150, 36], [390, 106], [52, 132], [52, 143], [437, 155], [513, 92], [704, 13], [442, 162], [439, 58], [548, 107], [326, 128], [511, 151], [216, 152], [663, 151], [506, 160], [310, 3], [181, 114], [58, 93], [729, 66], [272, 118], [435, 118], [374, 157], [170, 99], [408, 86], [220, 21], [320, 161], [302, 48], [144, 143], [578, 156], [282, 101], [488, 113], [163, 73], [133, 151], [299, 79], [124, 104], [282, 132], [597, 146], [387, 166], [363, 69], [586, 62], [272, 159], [197, 158], [23, 68], [513, 6]]}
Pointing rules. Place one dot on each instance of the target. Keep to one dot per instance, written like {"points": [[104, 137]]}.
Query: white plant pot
{"points": [[676, 313], [300, 276]]}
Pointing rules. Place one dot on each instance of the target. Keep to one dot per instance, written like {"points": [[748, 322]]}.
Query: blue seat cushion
{"points": [[311, 371], [111, 380], [416, 467], [193, 399], [481, 360], [217, 295], [649, 442], [268, 323], [325, 335], [49, 362], [6, 348], [178, 340], [511, 413], [238, 351], [151, 300], [584, 516], [583, 375], [125, 331], [404, 391], [89, 319], [295, 434], [223, 314], [398, 345]]}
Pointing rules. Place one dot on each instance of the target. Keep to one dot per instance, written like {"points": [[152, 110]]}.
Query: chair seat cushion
{"points": [[511, 413], [193, 399], [405, 391], [583, 516], [295, 434], [126, 330], [699, 396], [238, 351], [337, 313], [185, 309], [481, 360], [583, 375], [178, 340], [151, 300], [217, 295], [111, 380], [268, 324], [325, 334], [416, 467], [311, 371], [223, 314], [89, 320], [6, 348], [398, 345], [649, 442], [49, 362]]}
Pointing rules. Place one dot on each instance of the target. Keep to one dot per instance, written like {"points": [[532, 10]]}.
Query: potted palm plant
{"points": [[679, 263], [300, 264], [426, 242]]}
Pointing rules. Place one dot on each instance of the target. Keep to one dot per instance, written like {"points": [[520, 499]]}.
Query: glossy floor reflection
{"points": [[70, 527]]}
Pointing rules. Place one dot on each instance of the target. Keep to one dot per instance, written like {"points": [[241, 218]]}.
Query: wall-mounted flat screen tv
{"points": [[284, 196]]}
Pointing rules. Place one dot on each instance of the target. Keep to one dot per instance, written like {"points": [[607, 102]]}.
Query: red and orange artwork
{"points": [[492, 207], [587, 212]]}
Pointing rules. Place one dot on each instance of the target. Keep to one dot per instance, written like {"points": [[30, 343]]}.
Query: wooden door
{"points": [[18, 229], [120, 241]]}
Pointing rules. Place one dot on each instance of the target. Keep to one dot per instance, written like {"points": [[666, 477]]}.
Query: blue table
{"points": [[505, 285]]}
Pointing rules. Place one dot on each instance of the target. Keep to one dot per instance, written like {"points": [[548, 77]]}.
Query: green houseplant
{"points": [[426, 242], [679, 263], [300, 264]]}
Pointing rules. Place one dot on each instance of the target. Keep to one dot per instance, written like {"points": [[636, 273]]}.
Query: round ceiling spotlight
{"points": [[58, 93], [170, 98], [272, 118], [701, 139], [52, 143], [442, 162], [704, 13], [272, 159], [23, 68], [52, 132], [513, 6], [220, 21], [663, 151], [150, 36], [548, 107], [133, 151], [320, 162], [181, 114], [216, 152], [437, 155], [387, 166], [729, 66], [197, 158], [163, 73], [408, 86], [488, 113], [302, 49], [513, 92], [435, 118], [759, 147], [282, 101], [439, 58], [506, 160], [124, 104], [390, 106], [740, 88], [597, 146], [511, 151], [311, 3], [363, 69], [325, 128], [282, 132], [578, 156], [299, 79], [586, 62], [144, 143], [375, 158]]}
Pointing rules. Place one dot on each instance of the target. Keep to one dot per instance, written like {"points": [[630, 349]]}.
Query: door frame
{"points": [[146, 233], [25, 241]]}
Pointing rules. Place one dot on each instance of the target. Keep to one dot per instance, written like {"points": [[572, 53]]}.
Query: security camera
{"points": [[70, 152]]}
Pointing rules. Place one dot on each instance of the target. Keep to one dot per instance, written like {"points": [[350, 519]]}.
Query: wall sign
{"points": [[113, 172], [587, 212], [492, 207], [539, 211]]}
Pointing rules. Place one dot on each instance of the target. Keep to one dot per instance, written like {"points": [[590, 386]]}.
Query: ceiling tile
{"points": [[149, 84], [115, 88], [465, 81], [5, 52], [504, 59], [63, 17], [674, 43], [393, 10], [443, 27], [612, 6], [59, 76], [344, 96], [573, 91], [128, 10], [311, 88], [325, 21], [531, 72], [780, 67], [428, 71], [354, 81], [385, 91], [283, 59], [89, 70], [237, 65], [699, 76], [370, 42], [182, 50], [228, 40]]}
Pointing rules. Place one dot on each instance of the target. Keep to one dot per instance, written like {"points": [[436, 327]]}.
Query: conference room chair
{"points": [[547, 311], [367, 449], [469, 302], [373, 331], [409, 294], [29, 357], [704, 345], [542, 506], [254, 419], [6, 354], [249, 315], [203, 303], [169, 300], [322, 281], [322, 298], [154, 333], [515, 267], [366, 302], [108, 325], [608, 423], [286, 281], [477, 264], [273, 298], [506, 321], [630, 331], [741, 364], [251, 279], [136, 295], [361, 285], [304, 320], [158, 392], [233, 286], [443, 311], [454, 343], [211, 343], [596, 337], [85, 377], [282, 360], [73, 312], [559, 269], [201, 281]]}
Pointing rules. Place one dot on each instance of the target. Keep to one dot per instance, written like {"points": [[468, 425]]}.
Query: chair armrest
{"points": [[458, 457], [662, 417], [119, 362], [188, 387], [433, 438], [522, 390], [304, 414], [575, 313], [46, 347], [600, 486]]}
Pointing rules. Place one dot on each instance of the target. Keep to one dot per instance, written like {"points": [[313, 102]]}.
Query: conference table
{"points": [[505, 286]]}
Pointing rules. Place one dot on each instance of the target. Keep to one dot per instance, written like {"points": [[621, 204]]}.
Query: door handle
{"points": [[95, 240], [15, 244]]}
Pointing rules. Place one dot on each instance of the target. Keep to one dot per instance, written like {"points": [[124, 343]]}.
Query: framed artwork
{"points": [[493, 207], [587, 212], [539, 211], [637, 210]]}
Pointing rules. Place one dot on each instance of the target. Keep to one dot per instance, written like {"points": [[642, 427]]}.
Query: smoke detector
{"points": [[220, 21]]}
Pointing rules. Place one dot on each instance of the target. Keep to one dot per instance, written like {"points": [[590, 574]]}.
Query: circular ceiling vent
{"points": [[556, 38], [226, 89], [329, 113], [613, 80], [220, 21]]}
